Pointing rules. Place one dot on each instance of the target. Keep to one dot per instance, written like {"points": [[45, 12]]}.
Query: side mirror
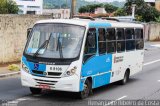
{"points": [[28, 32]]}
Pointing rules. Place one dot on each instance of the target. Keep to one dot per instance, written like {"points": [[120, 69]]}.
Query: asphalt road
{"points": [[142, 86]]}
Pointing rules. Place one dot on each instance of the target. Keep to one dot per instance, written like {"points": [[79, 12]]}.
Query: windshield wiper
{"points": [[59, 46], [44, 45]]}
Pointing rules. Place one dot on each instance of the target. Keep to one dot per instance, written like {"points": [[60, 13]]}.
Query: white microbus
{"points": [[78, 55]]}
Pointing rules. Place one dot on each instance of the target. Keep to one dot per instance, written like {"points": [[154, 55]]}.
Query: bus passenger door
{"points": [[90, 45], [89, 67], [97, 65]]}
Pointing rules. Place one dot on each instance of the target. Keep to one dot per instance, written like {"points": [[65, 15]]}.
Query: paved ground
{"points": [[142, 86]]}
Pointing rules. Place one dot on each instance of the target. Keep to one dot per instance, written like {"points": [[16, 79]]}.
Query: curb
{"points": [[9, 74]]}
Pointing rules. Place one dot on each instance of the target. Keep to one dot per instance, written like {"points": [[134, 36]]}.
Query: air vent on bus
{"points": [[37, 72], [54, 73], [46, 82]]}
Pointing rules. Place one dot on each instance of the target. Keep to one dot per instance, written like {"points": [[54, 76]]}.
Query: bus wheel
{"points": [[35, 90], [125, 79], [86, 91]]}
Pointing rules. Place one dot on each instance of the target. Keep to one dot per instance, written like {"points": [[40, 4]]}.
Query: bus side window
{"points": [[139, 39], [102, 41], [120, 40], [111, 40], [129, 34], [91, 44], [130, 39]]}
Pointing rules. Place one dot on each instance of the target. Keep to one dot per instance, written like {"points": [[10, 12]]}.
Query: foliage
{"points": [[143, 11], [110, 8], [119, 3], [158, 19], [120, 12], [89, 8], [13, 67], [8, 7], [52, 4], [149, 15]]}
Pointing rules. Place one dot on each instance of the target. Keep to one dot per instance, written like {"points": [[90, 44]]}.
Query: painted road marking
{"points": [[15, 102], [151, 62], [121, 97], [116, 100]]}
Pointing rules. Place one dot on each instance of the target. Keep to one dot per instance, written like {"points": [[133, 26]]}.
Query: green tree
{"points": [[143, 11], [8, 7], [64, 6], [89, 8], [120, 12], [110, 8], [158, 19], [82, 9]]}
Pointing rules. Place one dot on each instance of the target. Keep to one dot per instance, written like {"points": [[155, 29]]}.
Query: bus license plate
{"points": [[44, 86]]}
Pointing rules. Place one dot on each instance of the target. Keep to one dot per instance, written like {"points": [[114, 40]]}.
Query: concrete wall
{"points": [[13, 30], [154, 32], [146, 32], [157, 5]]}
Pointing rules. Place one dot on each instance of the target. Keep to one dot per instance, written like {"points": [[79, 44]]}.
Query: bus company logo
{"points": [[118, 59], [36, 66]]}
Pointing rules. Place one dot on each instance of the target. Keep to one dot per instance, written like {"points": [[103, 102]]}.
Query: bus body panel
{"points": [[129, 60], [98, 67]]}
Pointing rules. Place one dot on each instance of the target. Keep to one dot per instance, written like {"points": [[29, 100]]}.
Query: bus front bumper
{"points": [[70, 83]]}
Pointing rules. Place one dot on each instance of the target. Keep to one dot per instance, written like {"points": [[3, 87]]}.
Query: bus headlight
{"points": [[25, 68], [70, 72]]}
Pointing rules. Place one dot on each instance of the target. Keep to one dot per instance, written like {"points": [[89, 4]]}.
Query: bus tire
{"points": [[125, 78], [35, 90], [86, 91]]}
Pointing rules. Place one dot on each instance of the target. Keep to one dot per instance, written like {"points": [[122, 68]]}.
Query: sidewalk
{"points": [[5, 72], [152, 45]]}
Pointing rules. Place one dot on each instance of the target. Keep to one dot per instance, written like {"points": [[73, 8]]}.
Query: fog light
{"points": [[68, 72]]}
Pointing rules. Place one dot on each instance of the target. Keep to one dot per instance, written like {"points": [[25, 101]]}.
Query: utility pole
{"points": [[73, 8], [133, 8]]}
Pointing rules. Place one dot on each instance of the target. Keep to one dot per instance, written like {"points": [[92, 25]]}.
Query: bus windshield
{"points": [[55, 41]]}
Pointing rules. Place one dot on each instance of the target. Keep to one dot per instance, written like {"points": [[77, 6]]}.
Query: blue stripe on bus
{"points": [[30, 65], [99, 25], [95, 67], [24, 60]]}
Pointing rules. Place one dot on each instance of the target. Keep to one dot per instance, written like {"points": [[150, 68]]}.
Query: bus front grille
{"points": [[54, 73], [39, 81], [38, 72]]}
